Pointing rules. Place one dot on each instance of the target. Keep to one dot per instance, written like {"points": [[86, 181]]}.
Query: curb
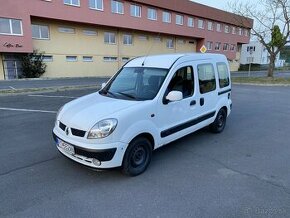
{"points": [[6, 92], [259, 84]]}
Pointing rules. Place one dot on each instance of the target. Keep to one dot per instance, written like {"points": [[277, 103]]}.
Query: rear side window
{"points": [[223, 72], [206, 77]]}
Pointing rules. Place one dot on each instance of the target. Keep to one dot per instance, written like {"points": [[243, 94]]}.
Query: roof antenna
{"points": [[149, 50]]}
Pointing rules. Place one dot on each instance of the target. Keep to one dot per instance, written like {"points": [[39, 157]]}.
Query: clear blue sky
{"points": [[220, 4]]}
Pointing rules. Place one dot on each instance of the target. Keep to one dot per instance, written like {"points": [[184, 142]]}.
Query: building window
{"points": [[109, 38], [71, 58], [90, 32], [143, 38], [40, 31], [217, 46], [127, 39], [110, 59], [179, 19], [166, 17], [47, 58], [240, 31], [10, 26], [209, 45], [125, 59], [135, 11], [72, 2], [233, 47], [233, 30], [246, 32], [209, 25], [218, 27], [251, 48], [157, 39], [206, 78], [200, 24], [170, 43], [227, 29], [87, 58], [66, 30], [96, 4], [152, 14], [226, 47], [117, 7], [190, 22]]}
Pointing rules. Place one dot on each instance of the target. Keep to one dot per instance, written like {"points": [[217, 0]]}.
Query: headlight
{"points": [[102, 129]]}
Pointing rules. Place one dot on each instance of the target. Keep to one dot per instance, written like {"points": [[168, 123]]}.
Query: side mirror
{"points": [[103, 85], [174, 96]]}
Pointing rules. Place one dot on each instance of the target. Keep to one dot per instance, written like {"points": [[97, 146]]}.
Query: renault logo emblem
{"points": [[66, 131]]}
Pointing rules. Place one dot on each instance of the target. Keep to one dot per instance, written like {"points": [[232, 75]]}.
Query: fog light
{"points": [[96, 162]]}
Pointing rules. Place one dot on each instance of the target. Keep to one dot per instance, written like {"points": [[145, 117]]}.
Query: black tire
{"points": [[220, 122], [137, 157]]}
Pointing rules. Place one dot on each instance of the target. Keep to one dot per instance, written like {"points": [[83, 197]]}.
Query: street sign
{"points": [[203, 49]]}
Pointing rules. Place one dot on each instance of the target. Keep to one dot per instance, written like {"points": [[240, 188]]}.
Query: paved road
{"points": [[45, 83], [243, 172], [281, 74]]}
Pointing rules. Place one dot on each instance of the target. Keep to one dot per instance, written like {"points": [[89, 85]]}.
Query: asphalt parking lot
{"points": [[243, 172]]}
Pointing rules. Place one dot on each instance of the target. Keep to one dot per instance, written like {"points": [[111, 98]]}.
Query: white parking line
{"points": [[27, 110], [52, 96], [11, 87]]}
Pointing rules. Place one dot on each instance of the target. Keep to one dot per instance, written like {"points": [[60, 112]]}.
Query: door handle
{"points": [[201, 101], [193, 102]]}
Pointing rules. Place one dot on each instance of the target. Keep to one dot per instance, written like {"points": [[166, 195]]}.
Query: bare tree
{"points": [[271, 24]]}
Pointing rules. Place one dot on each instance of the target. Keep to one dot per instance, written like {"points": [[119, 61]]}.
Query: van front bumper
{"points": [[105, 156]]}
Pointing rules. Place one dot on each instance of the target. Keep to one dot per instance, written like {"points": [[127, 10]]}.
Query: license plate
{"points": [[66, 147]]}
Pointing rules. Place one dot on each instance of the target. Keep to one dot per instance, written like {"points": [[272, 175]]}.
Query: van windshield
{"points": [[135, 83]]}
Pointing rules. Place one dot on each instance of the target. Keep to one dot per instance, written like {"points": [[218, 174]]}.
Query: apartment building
{"points": [[96, 37]]}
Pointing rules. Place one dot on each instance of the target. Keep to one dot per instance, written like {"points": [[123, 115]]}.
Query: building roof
{"points": [[199, 10]]}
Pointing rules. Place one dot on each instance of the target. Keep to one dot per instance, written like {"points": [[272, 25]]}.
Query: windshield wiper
{"points": [[105, 92], [127, 95]]}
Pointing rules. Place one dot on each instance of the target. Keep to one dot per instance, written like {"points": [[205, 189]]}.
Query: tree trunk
{"points": [[271, 65]]}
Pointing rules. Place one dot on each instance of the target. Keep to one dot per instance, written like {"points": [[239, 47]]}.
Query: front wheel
{"points": [[137, 157], [220, 122]]}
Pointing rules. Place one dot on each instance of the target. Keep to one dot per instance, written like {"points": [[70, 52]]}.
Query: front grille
{"points": [[62, 126], [78, 132], [105, 155]]}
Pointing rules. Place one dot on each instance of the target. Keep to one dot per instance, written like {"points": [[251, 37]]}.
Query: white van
{"points": [[148, 103]]}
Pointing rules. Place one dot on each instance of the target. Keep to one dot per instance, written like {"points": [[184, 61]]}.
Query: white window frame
{"points": [[96, 4], [71, 58], [190, 22], [63, 29], [47, 58], [119, 7], [110, 59], [39, 31], [90, 32], [170, 43], [209, 45], [234, 30], [135, 9], [127, 39], [110, 42], [179, 19], [71, 3], [240, 31], [88, 58], [218, 27], [11, 27], [166, 17], [217, 46], [227, 29], [200, 24], [151, 14], [210, 25]]}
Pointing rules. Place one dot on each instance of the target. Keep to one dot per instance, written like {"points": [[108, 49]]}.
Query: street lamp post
{"points": [[250, 61]]}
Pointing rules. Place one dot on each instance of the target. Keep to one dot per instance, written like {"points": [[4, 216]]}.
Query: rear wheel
{"points": [[220, 122], [137, 157]]}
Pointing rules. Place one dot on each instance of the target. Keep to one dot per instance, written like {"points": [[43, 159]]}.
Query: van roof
{"points": [[165, 61]]}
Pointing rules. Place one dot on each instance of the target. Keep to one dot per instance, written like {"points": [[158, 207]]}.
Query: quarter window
{"points": [[206, 77], [10, 26], [40, 32], [223, 73]]}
